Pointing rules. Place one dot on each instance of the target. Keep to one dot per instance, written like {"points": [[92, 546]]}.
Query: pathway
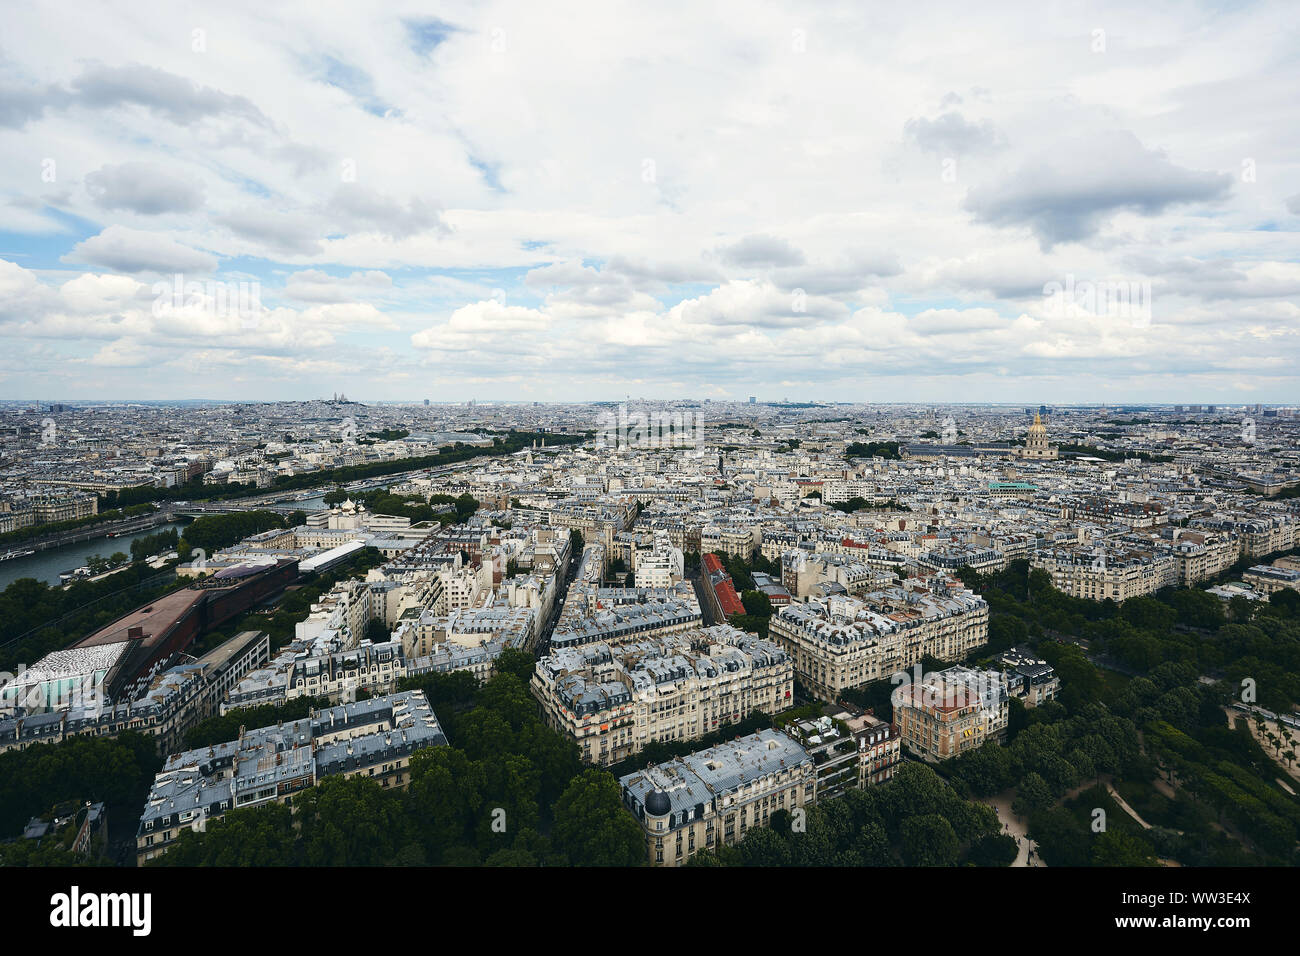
{"points": [[1014, 826]]}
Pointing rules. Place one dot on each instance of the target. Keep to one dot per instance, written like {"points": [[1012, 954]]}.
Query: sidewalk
{"points": [[1012, 825]]}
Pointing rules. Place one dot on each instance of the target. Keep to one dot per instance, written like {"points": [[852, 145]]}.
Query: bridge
{"points": [[199, 509]]}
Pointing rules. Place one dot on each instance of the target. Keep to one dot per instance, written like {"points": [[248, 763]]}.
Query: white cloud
{"points": [[135, 250], [463, 192]]}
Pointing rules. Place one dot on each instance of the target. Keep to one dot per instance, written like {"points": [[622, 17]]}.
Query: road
{"points": [[706, 610], [543, 644]]}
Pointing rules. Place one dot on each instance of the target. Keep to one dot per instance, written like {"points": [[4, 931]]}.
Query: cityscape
{"points": [[504, 437]]}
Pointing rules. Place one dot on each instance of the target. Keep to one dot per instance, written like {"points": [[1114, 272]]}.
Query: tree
{"points": [[994, 849], [351, 822], [928, 840], [261, 836], [757, 603], [116, 770], [466, 505], [1080, 681], [1116, 848], [1062, 840], [986, 770], [915, 789], [519, 663], [591, 826], [1032, 795]]}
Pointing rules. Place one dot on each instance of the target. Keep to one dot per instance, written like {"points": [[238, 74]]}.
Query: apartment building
{"points": [[813, 575], [373, 739], [423, 642], [1107, 570], [1200, 555], [736, 540], [879, 746], [1267, 579], [613, 700], [614, 615], [950, 712], [312, 671], [1260, 534], [851, 749], [1029, 677], [42, 507], [714, 797], [843, 642], [659, 567]]}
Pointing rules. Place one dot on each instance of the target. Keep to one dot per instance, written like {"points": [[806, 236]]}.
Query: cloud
{"points": [[486, 326], [760, 251], [1065, 194], [659, 274], [359, 207], [494, 175], [21, 294], [846, 276], [352, 80], [143, 188], [312, 285], [953, 135], [133, 250], [755, 304], [290, 233], [21, 104], [164, 94]]}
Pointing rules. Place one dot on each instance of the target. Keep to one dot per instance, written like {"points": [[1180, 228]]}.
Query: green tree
{"points": [[519, 663], [928, 840], [1115, 848], [591, 825], [993, 849], [1032, 796]]}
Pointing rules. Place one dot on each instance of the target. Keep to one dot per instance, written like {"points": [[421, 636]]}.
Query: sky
{"points": [[1052, 202]]}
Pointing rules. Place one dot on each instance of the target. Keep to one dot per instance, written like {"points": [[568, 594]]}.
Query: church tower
{"points": [[1036, 445]]}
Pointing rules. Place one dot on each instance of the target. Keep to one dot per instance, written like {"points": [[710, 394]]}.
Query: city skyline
{"points": [[1027, 404], [1097, 206]]}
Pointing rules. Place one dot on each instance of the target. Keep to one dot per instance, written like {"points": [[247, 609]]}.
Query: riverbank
{"points": [[46, 564]]}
